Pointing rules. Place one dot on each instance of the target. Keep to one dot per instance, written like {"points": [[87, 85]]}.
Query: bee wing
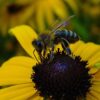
{"points": [[53, 25], [62, 24]]}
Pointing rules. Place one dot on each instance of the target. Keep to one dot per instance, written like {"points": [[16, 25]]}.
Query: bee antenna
{"points": [[71, 17], [35, 56]]}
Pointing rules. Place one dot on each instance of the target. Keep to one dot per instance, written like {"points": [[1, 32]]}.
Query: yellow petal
{"points": [[90, 97], [74, 47], [94, 59], [40, 19], [25, 96], [21, 61], [73, 5], [95, 94], [89, 50], [16, 70], [79, 50], [59, 8], [58, 46], [96, 87], [49, 15], [25, 35], [96, 76], [91, 63], [17, 91], [37, 97], [93, 70]]}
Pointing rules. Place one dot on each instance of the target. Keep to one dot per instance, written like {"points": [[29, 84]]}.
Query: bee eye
{"points": [[38, 45]]}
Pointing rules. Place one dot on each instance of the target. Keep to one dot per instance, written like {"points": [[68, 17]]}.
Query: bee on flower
{"points": [[65, 77], [55, 37]]}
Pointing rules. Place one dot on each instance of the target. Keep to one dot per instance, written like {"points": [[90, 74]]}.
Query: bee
{"points": [[54, 37]]}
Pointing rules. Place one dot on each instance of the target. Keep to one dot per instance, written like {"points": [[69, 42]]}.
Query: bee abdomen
{"points": [[71, 36]]}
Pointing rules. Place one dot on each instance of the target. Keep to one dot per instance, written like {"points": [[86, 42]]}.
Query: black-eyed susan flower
{"points": [[72, 5], [64, 78], [46, 11], [35, 13], [14, 12]]}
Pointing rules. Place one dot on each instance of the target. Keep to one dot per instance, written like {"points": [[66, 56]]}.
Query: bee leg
{"points": [[41, 57], [68, 50], [44, 52], [65, 45], [51, 54]]}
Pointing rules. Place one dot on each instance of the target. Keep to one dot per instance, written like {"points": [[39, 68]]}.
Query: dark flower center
{"points": [[15, 8], [64, 78]]}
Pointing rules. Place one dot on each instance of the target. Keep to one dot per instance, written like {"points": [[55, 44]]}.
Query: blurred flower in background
{"points": [[36, 13], [14, 12], [41, 14], [47, 11]]}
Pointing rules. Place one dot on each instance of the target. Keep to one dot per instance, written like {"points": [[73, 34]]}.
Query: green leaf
{"points": [[97, 65], [11, 1]]}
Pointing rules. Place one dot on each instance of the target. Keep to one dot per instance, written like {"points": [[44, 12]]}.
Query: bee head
{"points": [[38, 45]]}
